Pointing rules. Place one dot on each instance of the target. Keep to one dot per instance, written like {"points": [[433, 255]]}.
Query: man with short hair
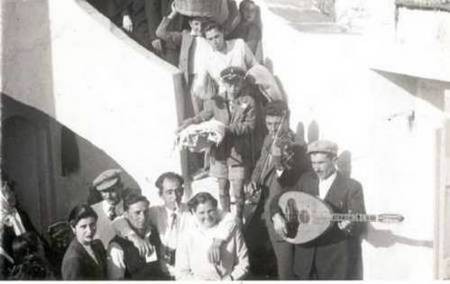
{"points": [[336, 254], [281, 163], [109, 184], [137, 267], [233, 157], [224, 54], [170, 221], [193, 49]]}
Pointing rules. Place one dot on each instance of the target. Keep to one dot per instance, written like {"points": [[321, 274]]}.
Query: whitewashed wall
{"points": [[67, 60], [328, 79], [78, 69]]}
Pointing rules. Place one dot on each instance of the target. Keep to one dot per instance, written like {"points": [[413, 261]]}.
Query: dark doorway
{"points": [[26, 160]]}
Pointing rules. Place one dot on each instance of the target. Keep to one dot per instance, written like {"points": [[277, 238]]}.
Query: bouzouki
{"points": [[308, 217]]}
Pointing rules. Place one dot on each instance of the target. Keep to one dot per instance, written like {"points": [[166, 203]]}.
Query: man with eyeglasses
{"points": [[170, 221]]}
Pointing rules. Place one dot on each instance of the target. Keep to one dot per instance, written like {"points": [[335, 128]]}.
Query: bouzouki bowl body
{"points": [[314, 216]]}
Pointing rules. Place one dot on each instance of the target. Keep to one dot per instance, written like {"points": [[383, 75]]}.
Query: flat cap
{"points": [[323, 146], [232, 73], [107, 179]]}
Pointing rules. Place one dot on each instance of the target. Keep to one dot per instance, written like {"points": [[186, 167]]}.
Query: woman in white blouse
{"points": [[192, 253]]}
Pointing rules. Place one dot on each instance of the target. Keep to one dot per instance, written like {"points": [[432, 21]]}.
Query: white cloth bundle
{"points": [[200, 137]]}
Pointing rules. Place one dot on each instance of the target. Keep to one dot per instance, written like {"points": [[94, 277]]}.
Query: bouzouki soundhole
{"points": [[308, 217]]}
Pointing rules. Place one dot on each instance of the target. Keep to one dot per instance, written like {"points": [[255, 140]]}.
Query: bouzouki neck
{"points": [[356, 217]]}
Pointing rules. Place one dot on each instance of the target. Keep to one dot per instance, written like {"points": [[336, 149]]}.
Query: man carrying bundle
{"points": [[232, 158]]}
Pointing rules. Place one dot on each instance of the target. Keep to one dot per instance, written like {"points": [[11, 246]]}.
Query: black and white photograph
{"points": [[225, 140]]}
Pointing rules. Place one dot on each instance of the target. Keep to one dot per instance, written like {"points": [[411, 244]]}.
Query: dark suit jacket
{"points": [[176, 39], [265, 173], [336, 255], [79, 265], [236, 148]]}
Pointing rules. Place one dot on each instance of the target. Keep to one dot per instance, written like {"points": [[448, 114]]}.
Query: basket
{"points": [[215, 9]]}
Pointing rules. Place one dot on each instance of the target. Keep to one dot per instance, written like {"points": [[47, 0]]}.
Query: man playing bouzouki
{"points": [[336, 254]]}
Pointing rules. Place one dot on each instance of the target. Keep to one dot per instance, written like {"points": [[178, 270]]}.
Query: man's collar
{"points": [[147, 230], [225, 49], [170, 211], [331, 177], [118, 207]]}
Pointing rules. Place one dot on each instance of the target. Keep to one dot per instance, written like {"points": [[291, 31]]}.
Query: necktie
{"points": [[173, 220], [171, 241], [112, 213]]}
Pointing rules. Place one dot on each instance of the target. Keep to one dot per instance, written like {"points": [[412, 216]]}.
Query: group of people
{"points": [[124, 236]]}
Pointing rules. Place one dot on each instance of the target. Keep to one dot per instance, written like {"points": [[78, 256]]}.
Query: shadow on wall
{"points": [[311, 135], [379, 238], [385, 238], [51, 166]]}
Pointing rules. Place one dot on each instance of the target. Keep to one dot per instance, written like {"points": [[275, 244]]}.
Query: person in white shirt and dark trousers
{"points": [[192, 252]]}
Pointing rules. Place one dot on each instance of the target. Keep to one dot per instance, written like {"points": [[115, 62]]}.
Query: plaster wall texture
{"points": [[67, 60], [329, 80], [409, 41]]}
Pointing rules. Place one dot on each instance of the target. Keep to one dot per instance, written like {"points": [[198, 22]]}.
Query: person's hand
{"points": [[7, 220], [143, 245], [345, 225], [279, 225], [127, 24], [116, 254], [214, 251], [157, 45], [208, 276], [251, 188], [184, 124], [227, 278], [275, 150], [173, 11]]}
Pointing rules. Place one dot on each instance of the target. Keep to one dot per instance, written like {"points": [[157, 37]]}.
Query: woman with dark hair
{"points": [[191, 255], [85, 258]]}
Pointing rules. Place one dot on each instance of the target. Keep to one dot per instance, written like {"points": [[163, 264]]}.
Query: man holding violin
{"points": [[281, 163]]}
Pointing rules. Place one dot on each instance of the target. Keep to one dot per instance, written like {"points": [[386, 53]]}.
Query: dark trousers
{"points": [[269, 255], [284, 253]]}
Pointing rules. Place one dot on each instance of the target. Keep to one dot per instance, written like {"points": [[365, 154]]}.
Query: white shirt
{"points": [[325, 184], [170, 238], [118, 208], [192, 256], [105, 230], [200, 50], [160, 217], [237, 54]]}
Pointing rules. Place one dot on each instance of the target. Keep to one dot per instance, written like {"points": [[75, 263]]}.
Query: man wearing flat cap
{"points": [[109, 185], [336, 254], [232, 158]]}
